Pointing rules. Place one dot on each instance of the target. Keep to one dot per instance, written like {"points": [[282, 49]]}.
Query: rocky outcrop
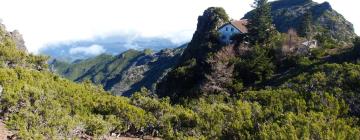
{"points": [[15, 36], [289, 14], [146, 71], [19, 40], [191, 71]]}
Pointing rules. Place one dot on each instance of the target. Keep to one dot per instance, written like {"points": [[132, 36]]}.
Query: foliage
{"points": [[37, 104], [264, 114], [42, 105], [306, 26], [260, 26], [255, 66]]}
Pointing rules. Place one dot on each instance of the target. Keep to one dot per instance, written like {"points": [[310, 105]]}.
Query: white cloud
{"points": [[90, 50], [48, 21]]}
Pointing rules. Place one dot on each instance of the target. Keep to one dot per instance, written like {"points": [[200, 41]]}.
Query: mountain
{"points": [[122, 74], [290, 14], [114, 45]]}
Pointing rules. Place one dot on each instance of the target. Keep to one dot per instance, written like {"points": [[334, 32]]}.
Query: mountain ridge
{"points": [[289, 14], [122, 74]]}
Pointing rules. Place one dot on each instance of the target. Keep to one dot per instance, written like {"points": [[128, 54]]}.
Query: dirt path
{"points": [[4, 132]]}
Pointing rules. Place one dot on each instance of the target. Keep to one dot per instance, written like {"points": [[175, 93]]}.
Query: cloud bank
{"points": [[90, 50], [113, 44]]}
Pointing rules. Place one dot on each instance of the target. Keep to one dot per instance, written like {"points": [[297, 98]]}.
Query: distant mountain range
{"points": [[122, 74], [115, 44]]}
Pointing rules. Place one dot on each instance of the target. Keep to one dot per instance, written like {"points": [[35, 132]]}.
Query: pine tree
{"points": [[306, 26], [260, 25]]}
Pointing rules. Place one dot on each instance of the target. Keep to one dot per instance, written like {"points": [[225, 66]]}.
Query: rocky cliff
{"points": [[191, 71], [16, 37]]}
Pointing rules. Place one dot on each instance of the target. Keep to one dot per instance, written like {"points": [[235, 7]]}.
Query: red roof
{"points": [[240, 25]]}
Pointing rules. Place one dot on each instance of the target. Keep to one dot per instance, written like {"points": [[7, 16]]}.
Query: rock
{"points": [[15, 36], [1, 90], [19, 41], [191, 69]]}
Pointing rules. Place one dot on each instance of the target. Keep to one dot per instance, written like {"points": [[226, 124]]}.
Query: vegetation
{"points": [[261, 30], [37, 104], [306, 25]]}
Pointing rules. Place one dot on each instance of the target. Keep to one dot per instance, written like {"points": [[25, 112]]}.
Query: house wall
{"points": [[227, 31]]}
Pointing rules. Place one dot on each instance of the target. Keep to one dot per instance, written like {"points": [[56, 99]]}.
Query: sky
{"points": [[45, 22]]}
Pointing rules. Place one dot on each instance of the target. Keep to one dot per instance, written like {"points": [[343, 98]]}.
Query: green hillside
{"points": [[37, 104]]}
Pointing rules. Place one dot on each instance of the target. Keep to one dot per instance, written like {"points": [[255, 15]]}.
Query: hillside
{"points": [[28, 90], [122, 74], [324, 19]]}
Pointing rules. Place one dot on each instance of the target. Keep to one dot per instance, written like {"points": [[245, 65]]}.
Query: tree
{"points": [[255, 67], [261, 30], [356, 49], [290, 42], [357, 41], [306, 26]]}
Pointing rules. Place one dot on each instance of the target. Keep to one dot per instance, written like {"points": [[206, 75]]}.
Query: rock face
{"points": [[290, 14], [19, 40], [145, 71], [16, 37], [123, 74], [190, 72]]}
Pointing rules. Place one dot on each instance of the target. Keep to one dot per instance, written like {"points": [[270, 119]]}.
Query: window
{"points": [[232, 29], [227, 28]]}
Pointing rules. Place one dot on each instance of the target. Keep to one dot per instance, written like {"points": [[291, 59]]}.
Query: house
{"points": [[229, 29], [311, 44], [305, 47]]}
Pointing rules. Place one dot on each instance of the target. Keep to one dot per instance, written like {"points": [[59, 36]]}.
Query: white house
{"points": [[310, 44], [229, 29]]}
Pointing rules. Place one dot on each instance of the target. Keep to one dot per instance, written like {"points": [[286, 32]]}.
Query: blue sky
{"points": [[50, 21]]}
